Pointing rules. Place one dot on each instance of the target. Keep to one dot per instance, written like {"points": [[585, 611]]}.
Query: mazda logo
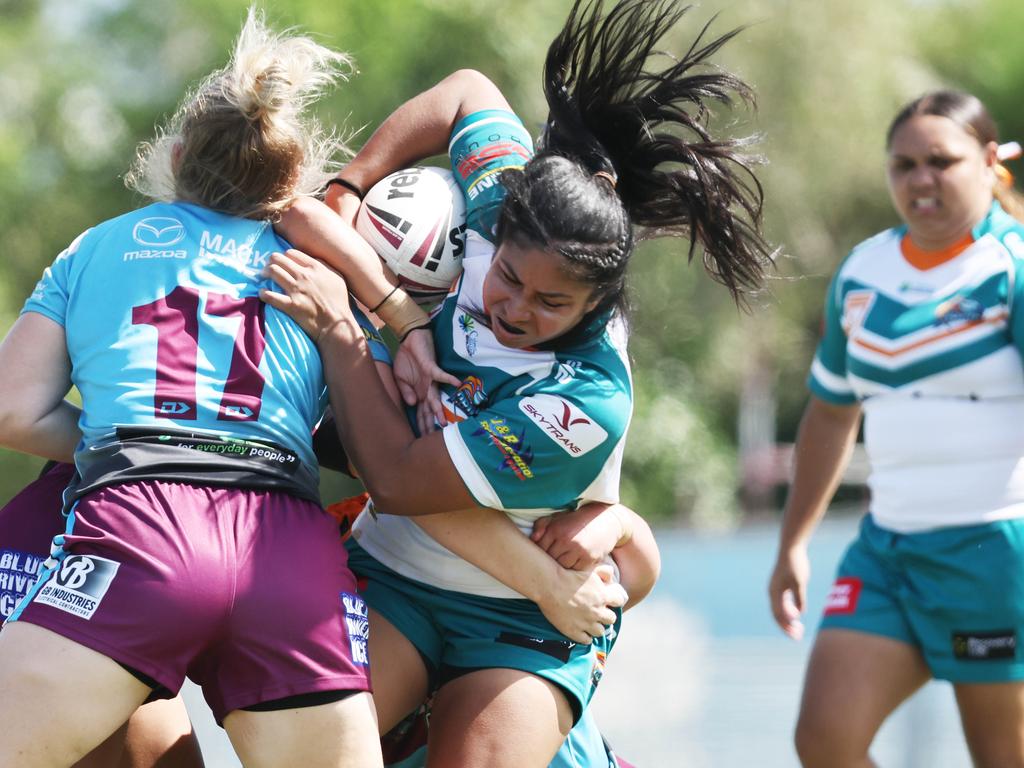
{"points": [[160, 231]]}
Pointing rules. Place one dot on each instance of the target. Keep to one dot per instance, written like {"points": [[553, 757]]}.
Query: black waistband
{"points": [[143, 453]]}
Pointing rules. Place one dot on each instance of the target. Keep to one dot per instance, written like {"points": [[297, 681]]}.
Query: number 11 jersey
{"points": [[165, 329]]}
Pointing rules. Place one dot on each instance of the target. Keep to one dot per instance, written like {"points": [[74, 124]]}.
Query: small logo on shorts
{"points": [[80, 584], [357, 626], [558, 649], [985, 646], [843, 597]]}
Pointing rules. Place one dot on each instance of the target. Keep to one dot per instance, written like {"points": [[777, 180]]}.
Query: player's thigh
{"points": [[160, 735], [109, 753], [58, 699], [399, 674], [342, 734], [405, 644], [499, 718], [992, 715], [854, 681], [584, 746]]}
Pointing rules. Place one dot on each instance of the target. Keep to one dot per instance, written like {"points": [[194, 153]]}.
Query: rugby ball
{"points": [[415, 219]]}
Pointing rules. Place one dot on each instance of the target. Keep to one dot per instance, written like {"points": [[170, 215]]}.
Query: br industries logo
{"points": [[158, 231], [80, 584], [75, 572]]}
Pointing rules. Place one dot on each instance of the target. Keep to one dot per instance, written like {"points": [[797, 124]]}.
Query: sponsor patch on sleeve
{"points": [[569, 426], [80, 584], [843, 597]]}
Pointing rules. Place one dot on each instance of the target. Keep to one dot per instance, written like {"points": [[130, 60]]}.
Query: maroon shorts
{"points": [[28, 524], [248, 593]]}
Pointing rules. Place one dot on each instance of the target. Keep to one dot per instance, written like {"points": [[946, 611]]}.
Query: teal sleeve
{"points": [[1016, 303], [378, 349], [827, 378], [482, 146], [542, 449]]}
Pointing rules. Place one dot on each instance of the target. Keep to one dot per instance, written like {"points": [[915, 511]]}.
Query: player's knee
{"points": [[816, 741]]}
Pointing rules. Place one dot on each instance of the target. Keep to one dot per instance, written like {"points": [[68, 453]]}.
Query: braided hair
{"points": [[627, 154]]}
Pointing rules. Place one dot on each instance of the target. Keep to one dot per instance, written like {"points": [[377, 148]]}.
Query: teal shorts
{"points": [[456, 632], [582, 748], [955, 593]]}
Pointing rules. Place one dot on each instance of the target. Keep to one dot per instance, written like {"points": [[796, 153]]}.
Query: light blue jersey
{"points": [[165, 328], [184, 372]]}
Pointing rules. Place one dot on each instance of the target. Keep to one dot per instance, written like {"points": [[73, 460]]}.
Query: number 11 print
{"points": [[176, 320]]}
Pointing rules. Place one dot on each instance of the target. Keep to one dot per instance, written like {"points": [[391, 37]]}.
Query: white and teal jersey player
{"points": [[930, 344], [530, 431]]}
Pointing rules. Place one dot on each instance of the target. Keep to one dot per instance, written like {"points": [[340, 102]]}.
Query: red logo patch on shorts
{"points": [[843, 597]]}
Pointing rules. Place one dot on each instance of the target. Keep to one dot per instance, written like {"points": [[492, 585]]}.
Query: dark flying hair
{"points": [[627, 153]]}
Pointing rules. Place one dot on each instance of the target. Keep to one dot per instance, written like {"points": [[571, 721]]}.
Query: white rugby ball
{"points": [[415, 219]]}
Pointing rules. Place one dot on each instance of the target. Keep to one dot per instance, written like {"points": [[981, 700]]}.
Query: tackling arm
{"points": [[34, 417]]}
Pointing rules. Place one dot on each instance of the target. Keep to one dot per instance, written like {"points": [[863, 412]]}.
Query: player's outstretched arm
{"points": [[823, 446], [312, 227], [404, 475], [639, 560]]}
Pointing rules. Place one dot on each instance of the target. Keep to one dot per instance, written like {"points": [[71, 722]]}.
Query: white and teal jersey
{"points": [[933, 353], [165, 329], [530, 431]]}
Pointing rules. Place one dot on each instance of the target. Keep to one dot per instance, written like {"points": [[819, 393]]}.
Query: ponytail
{"points": [[1011, 200], [241, 143], [627, 152]]}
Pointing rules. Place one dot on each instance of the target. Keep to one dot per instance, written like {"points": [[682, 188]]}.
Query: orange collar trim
{"points": [[923, 260]]}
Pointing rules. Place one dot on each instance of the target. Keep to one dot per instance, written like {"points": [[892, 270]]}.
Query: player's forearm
{"points": [[488, 539], [824, 443], [421, 127], [312, 227], [55, 435], [638, 559], [363, 409], [405, 475]]}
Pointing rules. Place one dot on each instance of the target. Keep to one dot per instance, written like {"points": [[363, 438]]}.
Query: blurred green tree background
{"points": [[82, 81]]}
